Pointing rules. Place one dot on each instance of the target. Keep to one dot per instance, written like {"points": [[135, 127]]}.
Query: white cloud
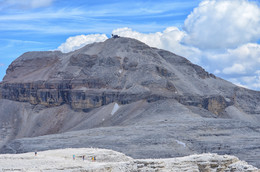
{"points": [[169, 40], [246, 51], [40, 3], [27, 4], [242, 63], [242, 60], [223, 24], [258, 72], [234, 69], [252, 82], [237, 82], [76, 42], [217, 71]]}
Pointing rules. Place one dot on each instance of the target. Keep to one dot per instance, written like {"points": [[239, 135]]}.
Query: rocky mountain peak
{"points": [[119, 70], [164, 104], [116, 58]]}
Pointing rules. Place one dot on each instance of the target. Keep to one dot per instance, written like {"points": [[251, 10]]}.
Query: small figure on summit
{"points": [[115, 36]]}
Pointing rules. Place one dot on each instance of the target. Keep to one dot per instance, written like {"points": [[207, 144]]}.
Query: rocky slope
{"points": [[108, 160], [125, 95], [119, 70]]}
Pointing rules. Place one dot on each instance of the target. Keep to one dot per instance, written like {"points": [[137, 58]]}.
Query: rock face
{"points": [[125, 95], [119, 70], [108, 160]]}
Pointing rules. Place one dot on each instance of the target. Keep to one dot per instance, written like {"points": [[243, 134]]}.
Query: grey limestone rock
{"points": [[124, 95]]}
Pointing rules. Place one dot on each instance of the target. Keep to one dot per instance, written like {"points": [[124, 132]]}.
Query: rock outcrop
{"points": [[127, 96], [119, 70], [108, 160]]}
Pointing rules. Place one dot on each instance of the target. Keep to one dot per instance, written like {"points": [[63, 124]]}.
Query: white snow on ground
{"points": [[181, 143], [108, 160], [115, 108]]}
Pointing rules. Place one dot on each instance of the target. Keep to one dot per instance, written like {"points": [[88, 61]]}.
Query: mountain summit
{"points": [[127, 96], [119, 70]]}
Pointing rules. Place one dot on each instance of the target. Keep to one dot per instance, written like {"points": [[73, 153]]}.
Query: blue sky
{"points": [[221, 36]]}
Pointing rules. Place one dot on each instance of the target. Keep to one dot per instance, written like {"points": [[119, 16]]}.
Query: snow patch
{"points": [[115, 108], [181, 143], [120, 71], [227, 99]]}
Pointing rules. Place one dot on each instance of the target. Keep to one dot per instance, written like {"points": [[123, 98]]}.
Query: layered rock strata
{"points": [[155, 103]]}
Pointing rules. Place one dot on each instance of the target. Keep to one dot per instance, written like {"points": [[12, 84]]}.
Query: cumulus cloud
{"points": [[244, 59], [169, 39], [242, 62], [234, 69], [27, 4], [252, 82], [223, 24], [76, 42]]}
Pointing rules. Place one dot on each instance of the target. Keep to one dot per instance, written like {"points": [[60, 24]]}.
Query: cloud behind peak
{"points": [[218, 24]]}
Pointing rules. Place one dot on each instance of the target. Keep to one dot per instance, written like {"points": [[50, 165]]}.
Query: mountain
{"points": [[124, 95]]}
